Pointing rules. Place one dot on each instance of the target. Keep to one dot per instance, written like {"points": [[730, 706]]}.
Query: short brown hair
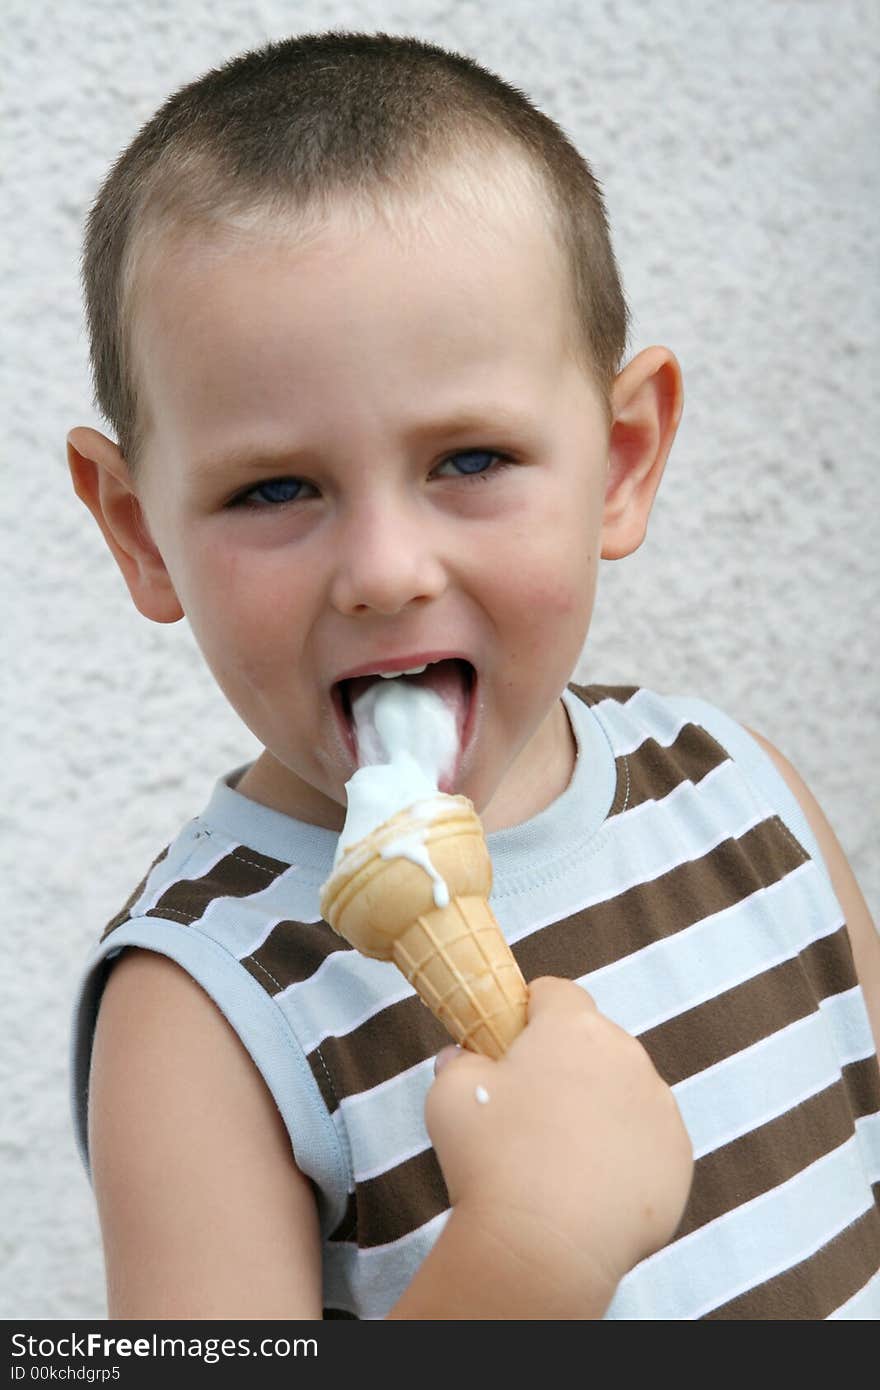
{"points": [[287, 128]]}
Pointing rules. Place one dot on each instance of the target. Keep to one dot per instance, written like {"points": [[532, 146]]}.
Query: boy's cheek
{"points": [[236, 602], [243, 651], [553, 593], [240, 657], [570, 597]]}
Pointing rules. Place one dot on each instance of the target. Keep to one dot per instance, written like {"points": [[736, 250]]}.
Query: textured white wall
{"points": [[735, 141]]}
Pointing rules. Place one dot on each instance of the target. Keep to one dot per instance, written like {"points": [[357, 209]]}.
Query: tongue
{"points": [[421, 715]]}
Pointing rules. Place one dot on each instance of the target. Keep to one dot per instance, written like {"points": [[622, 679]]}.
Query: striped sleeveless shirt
{"points": [[677, 879]]}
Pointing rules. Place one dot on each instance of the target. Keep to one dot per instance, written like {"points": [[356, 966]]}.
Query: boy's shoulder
{"points": [[234, 849], [224, 912], [645, 706], [647, 727]]}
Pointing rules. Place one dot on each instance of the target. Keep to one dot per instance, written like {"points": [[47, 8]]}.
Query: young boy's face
{"points": [[323, 486]]}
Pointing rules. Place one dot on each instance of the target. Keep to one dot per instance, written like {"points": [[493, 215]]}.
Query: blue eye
{"points": [[272, 493], [276, 492], [481, 468]]}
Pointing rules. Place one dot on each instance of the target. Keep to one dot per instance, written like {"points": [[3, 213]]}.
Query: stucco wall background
{"points": [[736, 142]]}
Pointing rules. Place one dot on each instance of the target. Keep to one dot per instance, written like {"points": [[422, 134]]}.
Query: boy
{"points": [[357, 324]]}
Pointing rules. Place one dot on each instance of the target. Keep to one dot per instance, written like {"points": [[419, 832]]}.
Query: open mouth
{"points": [[454, 679]]}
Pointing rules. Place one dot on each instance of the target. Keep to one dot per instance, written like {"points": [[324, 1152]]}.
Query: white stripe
{"points": [[369, 1281], [357, 985], [286, 899], [402, 1157], [386, 1125], [868, 1135], [243, 924], [642, 717], [756, 1085], [750, 1244], [713, 956], [864, 1306], [164, 875], [715, 805], [240, 923], [848, 1015]]}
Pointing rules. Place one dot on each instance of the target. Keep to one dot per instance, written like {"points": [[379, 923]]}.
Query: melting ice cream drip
{"points": [[407, 740]]}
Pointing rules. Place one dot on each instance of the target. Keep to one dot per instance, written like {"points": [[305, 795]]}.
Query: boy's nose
{"points": [[385, 562]]}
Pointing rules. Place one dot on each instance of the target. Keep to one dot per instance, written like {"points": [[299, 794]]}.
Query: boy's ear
{"points": [[646, 402], [101, 480]]}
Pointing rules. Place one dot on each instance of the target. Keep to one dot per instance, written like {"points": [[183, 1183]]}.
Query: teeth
{"points": [[413, 671]]}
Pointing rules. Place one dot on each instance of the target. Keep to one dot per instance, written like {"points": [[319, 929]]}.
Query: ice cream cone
{"points": [[454, 954]]}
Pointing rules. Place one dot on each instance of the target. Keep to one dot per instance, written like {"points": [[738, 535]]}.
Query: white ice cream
{"points": [[407, 740]]}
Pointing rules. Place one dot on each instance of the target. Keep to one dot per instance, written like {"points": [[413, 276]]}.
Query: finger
{"points": [[444, 1056], [561, 996]]}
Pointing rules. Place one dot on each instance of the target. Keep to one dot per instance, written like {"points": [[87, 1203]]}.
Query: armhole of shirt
{"points": [[262, 1028], [759, 770]]}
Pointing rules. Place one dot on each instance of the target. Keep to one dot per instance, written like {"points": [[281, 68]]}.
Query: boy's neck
{"points": [[520, 796]]}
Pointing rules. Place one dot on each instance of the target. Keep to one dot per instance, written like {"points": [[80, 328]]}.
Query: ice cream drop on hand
{"points": [[412, 874]]}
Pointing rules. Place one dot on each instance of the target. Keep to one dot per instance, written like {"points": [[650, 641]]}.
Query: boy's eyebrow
{"points": [[491, 419]]}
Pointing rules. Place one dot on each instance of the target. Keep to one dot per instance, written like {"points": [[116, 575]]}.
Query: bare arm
{"points": [[862, 932], [204, 1213]]}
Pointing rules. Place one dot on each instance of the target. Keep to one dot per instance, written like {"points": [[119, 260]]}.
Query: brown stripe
{"points": [[594, 694], [241, 872], [863, 1085], [818, 1286], [291, 953], [766, 1157], [650, 912], [729, 1022], [399, 1201], [363, 1058], [323, 1077], [653, 770], [124, 912], [830, 965], [347, 1228]]}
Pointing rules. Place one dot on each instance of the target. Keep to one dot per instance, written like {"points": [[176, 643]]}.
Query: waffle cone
{"points": [[454, 955]]}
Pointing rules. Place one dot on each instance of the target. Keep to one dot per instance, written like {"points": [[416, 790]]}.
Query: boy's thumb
{"points": [[444, 1056]]}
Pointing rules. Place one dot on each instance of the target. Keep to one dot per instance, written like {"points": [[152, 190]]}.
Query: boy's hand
{"points": [[578, 1165]]}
